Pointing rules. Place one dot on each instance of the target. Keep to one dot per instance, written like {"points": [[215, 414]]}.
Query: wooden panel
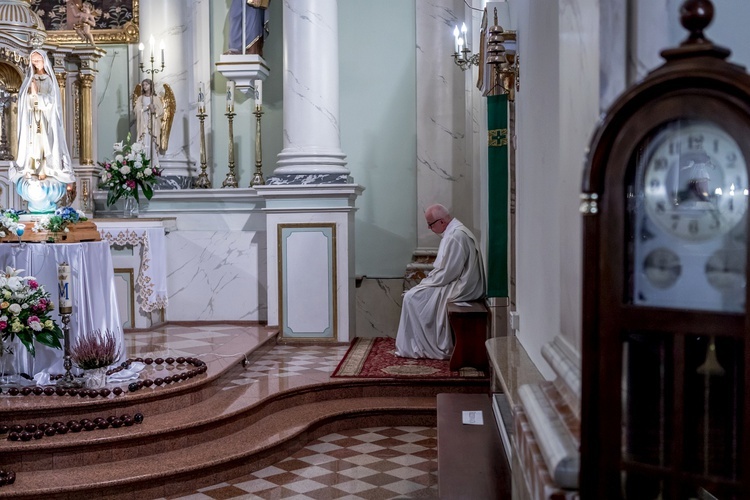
{"points": [[472, 462]]}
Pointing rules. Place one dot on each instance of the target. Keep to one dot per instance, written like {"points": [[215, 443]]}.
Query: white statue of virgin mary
{"points": [[42, 168]]}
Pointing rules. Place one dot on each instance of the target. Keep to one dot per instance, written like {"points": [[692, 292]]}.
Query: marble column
{"points": [[444, 125], [310, 198], [170, 22], [312, 145], [87, 170]]}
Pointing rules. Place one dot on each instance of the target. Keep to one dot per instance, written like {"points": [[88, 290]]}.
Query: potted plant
{"points": [[93, 352]]}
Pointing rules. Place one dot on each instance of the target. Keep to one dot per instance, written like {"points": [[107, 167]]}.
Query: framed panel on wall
{"points": [[307, 281], [107, 21], [125, 290]]}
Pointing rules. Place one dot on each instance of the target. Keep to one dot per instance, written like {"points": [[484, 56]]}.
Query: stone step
{"points": [[192, 466], [225, 361], [227, 412]]}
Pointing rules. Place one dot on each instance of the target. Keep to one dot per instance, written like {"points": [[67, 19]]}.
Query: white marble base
{"points": [[310, 256], [378, 306]]}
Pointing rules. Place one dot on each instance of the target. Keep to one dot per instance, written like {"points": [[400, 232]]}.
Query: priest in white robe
{"points": [[458, 275]]}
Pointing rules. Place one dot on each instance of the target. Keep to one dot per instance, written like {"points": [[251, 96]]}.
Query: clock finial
{"points": [[695, 16]]}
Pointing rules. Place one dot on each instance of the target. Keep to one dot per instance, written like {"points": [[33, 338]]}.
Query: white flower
{"points": [[119, 158], [137, 147], [148, 172], [3, 318], [66, 230], [117, 146], [15, 283], [14, 309], [24, 305], [130, 156], [36, 326], [125, 170]]}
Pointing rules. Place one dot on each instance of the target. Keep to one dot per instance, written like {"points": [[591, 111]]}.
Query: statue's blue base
{"points": [[42, 196]]}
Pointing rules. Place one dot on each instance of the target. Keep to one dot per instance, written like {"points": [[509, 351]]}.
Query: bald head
{"points": [[437, 217]]}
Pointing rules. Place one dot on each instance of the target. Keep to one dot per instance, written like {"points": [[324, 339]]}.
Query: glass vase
{"points": [[131, 208], [15, 360]]}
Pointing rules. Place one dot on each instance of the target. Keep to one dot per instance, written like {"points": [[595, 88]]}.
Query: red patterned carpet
{"points": [[376, 358]]}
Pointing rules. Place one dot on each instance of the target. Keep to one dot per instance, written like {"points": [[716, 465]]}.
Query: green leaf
{"points": [[49, 339], [148, 192]]}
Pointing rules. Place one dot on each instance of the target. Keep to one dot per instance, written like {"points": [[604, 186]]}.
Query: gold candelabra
{"points": [[230, 180], [258, 175], [203, 182]]}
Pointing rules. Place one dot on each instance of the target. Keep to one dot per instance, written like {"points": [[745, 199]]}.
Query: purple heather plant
{"points": [[94, 350]]}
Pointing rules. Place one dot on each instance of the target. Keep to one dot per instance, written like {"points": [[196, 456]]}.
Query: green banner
{"points": [[498, 179]]}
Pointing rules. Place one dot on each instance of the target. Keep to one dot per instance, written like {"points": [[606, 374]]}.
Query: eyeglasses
{"points": [[430, 224]]}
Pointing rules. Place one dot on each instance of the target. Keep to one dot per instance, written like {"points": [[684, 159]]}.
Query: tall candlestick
{"points": [[258, 92], [161, 47], [66, 302], [230, 96]]}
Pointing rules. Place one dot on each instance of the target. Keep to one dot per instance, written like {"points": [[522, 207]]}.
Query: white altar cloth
{"points": [[152, 276], [92, 283]]}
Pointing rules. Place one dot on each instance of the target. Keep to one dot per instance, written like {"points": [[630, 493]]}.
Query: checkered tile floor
{"points": [[291, 360], [369, 464], [373, 463]]}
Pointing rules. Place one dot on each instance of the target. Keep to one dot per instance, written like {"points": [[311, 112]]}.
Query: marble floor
{"points": [[371, 463]]}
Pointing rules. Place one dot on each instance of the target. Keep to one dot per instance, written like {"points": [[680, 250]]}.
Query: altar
{"points": [[92, 283]]}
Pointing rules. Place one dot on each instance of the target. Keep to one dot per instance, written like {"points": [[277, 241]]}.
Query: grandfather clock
{"points": [[666, 381]]}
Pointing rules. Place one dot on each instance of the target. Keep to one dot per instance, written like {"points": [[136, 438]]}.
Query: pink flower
{"points": [[33, 284], [3, 325], [130, 183]]}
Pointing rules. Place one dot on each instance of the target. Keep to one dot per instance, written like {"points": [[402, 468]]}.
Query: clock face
{"points": [[695, 181], [689, 208]]}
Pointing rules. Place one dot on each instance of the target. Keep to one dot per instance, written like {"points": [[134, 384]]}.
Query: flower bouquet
{"points": [[129, 172], [60, 221], [9, 225], [24, 311]]}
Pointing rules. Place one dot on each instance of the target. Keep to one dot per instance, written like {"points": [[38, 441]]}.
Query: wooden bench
{"points": [[472, 463], [469, 323]]}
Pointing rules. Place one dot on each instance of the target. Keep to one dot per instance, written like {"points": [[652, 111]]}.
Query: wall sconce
{"points": [[503, 56], [462, 55]]}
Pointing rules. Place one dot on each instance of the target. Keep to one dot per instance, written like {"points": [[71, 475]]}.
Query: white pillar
{"points": [[312, 142], [174, 25]]}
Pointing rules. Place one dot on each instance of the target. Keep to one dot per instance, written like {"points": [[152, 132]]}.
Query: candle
{"points": [[455, 36], [140, 52], [258, 92], [463, 34], [66, 302], [151, 43], [161, 47], [201, 99], [230, 96]]}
